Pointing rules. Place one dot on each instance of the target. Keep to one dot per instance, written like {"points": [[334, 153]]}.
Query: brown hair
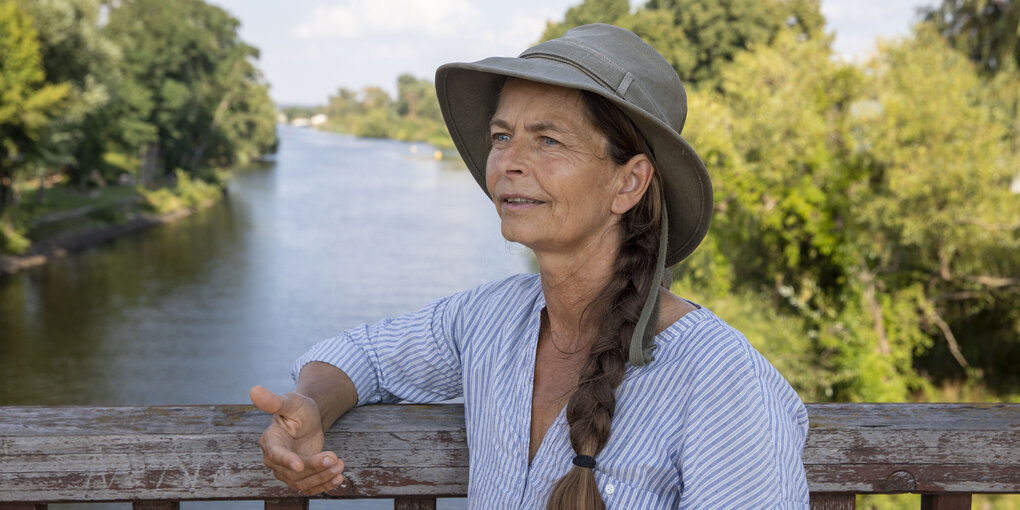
{"points": [[590, 409]]}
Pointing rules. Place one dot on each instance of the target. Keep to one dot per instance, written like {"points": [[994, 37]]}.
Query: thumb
{"points": [[266, 400]]}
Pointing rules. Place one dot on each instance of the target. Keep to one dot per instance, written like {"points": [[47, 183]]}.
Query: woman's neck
{"points": [[570, 285]]}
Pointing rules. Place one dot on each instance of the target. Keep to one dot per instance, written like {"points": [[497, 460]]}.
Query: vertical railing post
{"points": [[414, 503], [287, 504], [833, 501], [155, 504], [945, 501]]}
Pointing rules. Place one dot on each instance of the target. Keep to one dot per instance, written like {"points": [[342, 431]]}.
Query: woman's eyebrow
{"points": [[546, 126], [541, 126], [499, 123]]}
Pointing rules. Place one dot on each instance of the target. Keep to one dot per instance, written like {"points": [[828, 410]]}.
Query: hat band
{"points": [[563, 60], [625, 81], [643, 340]]}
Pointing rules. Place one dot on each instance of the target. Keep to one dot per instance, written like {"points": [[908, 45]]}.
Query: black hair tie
{"points": [[585, 461]]}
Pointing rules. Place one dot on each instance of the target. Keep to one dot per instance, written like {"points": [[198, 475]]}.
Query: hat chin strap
{"points": [[643, 340]]}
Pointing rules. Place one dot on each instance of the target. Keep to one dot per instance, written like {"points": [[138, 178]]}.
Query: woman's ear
{"points": [[635, 176]]}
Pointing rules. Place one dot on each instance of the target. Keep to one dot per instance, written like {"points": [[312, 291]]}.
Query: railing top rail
{"points": [[76, 453]]}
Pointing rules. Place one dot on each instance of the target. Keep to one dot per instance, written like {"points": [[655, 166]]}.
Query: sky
{"points": [[311, 48]]}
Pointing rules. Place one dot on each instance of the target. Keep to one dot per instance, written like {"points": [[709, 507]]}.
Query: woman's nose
{"points": [[510, 158]]}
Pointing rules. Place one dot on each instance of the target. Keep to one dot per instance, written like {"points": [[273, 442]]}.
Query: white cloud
{"points": [[857, 23], [361, 18], [522, 31]]}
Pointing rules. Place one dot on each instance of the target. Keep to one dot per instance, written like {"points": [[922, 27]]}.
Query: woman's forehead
{"points": [[539, 103]]}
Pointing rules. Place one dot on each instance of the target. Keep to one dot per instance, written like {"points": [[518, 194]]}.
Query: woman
{"points": [[588, 385]]}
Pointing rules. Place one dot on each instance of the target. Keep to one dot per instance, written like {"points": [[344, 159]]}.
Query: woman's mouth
{"points": [[519, 203]]}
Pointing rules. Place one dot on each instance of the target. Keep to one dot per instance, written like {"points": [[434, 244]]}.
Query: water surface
{"points": [[336, 232]]}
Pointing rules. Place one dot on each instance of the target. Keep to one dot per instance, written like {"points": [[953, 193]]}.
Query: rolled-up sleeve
{"points": [[414, 357]]}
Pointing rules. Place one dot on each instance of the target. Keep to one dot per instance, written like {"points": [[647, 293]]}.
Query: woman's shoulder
{"points": [[701, 348], [520, 286], [515, 295]]}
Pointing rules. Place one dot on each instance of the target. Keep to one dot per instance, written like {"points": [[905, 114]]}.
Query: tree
{"points": [[75, 52], [699, 37], [588, 11], [185, 73], [987, 31], [872, 206], [946, 212], [27, 102]]}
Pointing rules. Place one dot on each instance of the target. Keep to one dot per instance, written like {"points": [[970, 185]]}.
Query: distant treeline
{"points": [[98, 90], [372, 113]]}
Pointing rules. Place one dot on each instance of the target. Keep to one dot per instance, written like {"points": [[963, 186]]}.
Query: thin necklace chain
{"points": [[552, 337]]}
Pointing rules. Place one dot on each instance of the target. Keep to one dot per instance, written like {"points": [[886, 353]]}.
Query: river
{"points": [[336, 231]]}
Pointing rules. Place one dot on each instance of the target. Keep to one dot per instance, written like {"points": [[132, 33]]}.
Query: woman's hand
{"points": [[292, 444]]}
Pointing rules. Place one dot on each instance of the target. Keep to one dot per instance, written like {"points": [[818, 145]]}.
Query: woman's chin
{"points": [[517, 235]]}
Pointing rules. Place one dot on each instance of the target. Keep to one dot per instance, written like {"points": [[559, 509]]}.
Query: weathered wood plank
{"points": [[912, 477], [211, 452], [58, 454], [945, 502], [889, 448], [833, 501]]}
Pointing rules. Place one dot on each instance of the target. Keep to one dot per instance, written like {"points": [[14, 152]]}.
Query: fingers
{"points": [[289, 436], [279, 458], [266, 400], [319, 473]]}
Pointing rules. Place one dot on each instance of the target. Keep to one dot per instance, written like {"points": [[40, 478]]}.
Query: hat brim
{"points": [[468, 94]]}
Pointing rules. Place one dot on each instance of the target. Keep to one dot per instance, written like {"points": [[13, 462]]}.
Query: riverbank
{"points": [[66, 220], [64, 243]]}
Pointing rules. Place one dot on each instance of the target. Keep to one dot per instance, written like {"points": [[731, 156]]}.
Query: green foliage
{"points": [[12, 238], [588, 11], [27, 103], [987, 31], [75, 52], [187, 193], [413, 116], [162, 85], [870, 204], [189, 93], [696, 36]]}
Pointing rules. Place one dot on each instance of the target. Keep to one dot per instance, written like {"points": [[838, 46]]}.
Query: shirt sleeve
{"points": [[744, 431], [414, 357]]}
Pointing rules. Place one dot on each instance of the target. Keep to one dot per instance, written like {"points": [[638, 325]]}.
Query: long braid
{"points": [[590, 409]]}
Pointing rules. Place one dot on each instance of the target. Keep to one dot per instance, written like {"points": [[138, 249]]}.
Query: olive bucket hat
{"points": [[616, 64]]}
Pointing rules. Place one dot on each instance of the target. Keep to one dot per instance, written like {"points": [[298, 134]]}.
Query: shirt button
{"points": [[610, 489]]}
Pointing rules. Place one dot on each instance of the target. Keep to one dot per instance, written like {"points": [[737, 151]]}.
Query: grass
{"points": [[64, 199], [61, 208]]}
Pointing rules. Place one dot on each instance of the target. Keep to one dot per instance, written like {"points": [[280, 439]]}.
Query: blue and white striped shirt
{"points": [[708, 424]]}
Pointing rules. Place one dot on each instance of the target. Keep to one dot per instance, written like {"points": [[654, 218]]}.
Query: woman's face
{"points": [[548, 171]]}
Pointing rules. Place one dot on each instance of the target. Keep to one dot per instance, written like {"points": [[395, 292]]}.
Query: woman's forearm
{"points": [[331, 389]]}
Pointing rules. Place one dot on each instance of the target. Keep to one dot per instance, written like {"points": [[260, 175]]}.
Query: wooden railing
{"points": [[156, 457]]}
